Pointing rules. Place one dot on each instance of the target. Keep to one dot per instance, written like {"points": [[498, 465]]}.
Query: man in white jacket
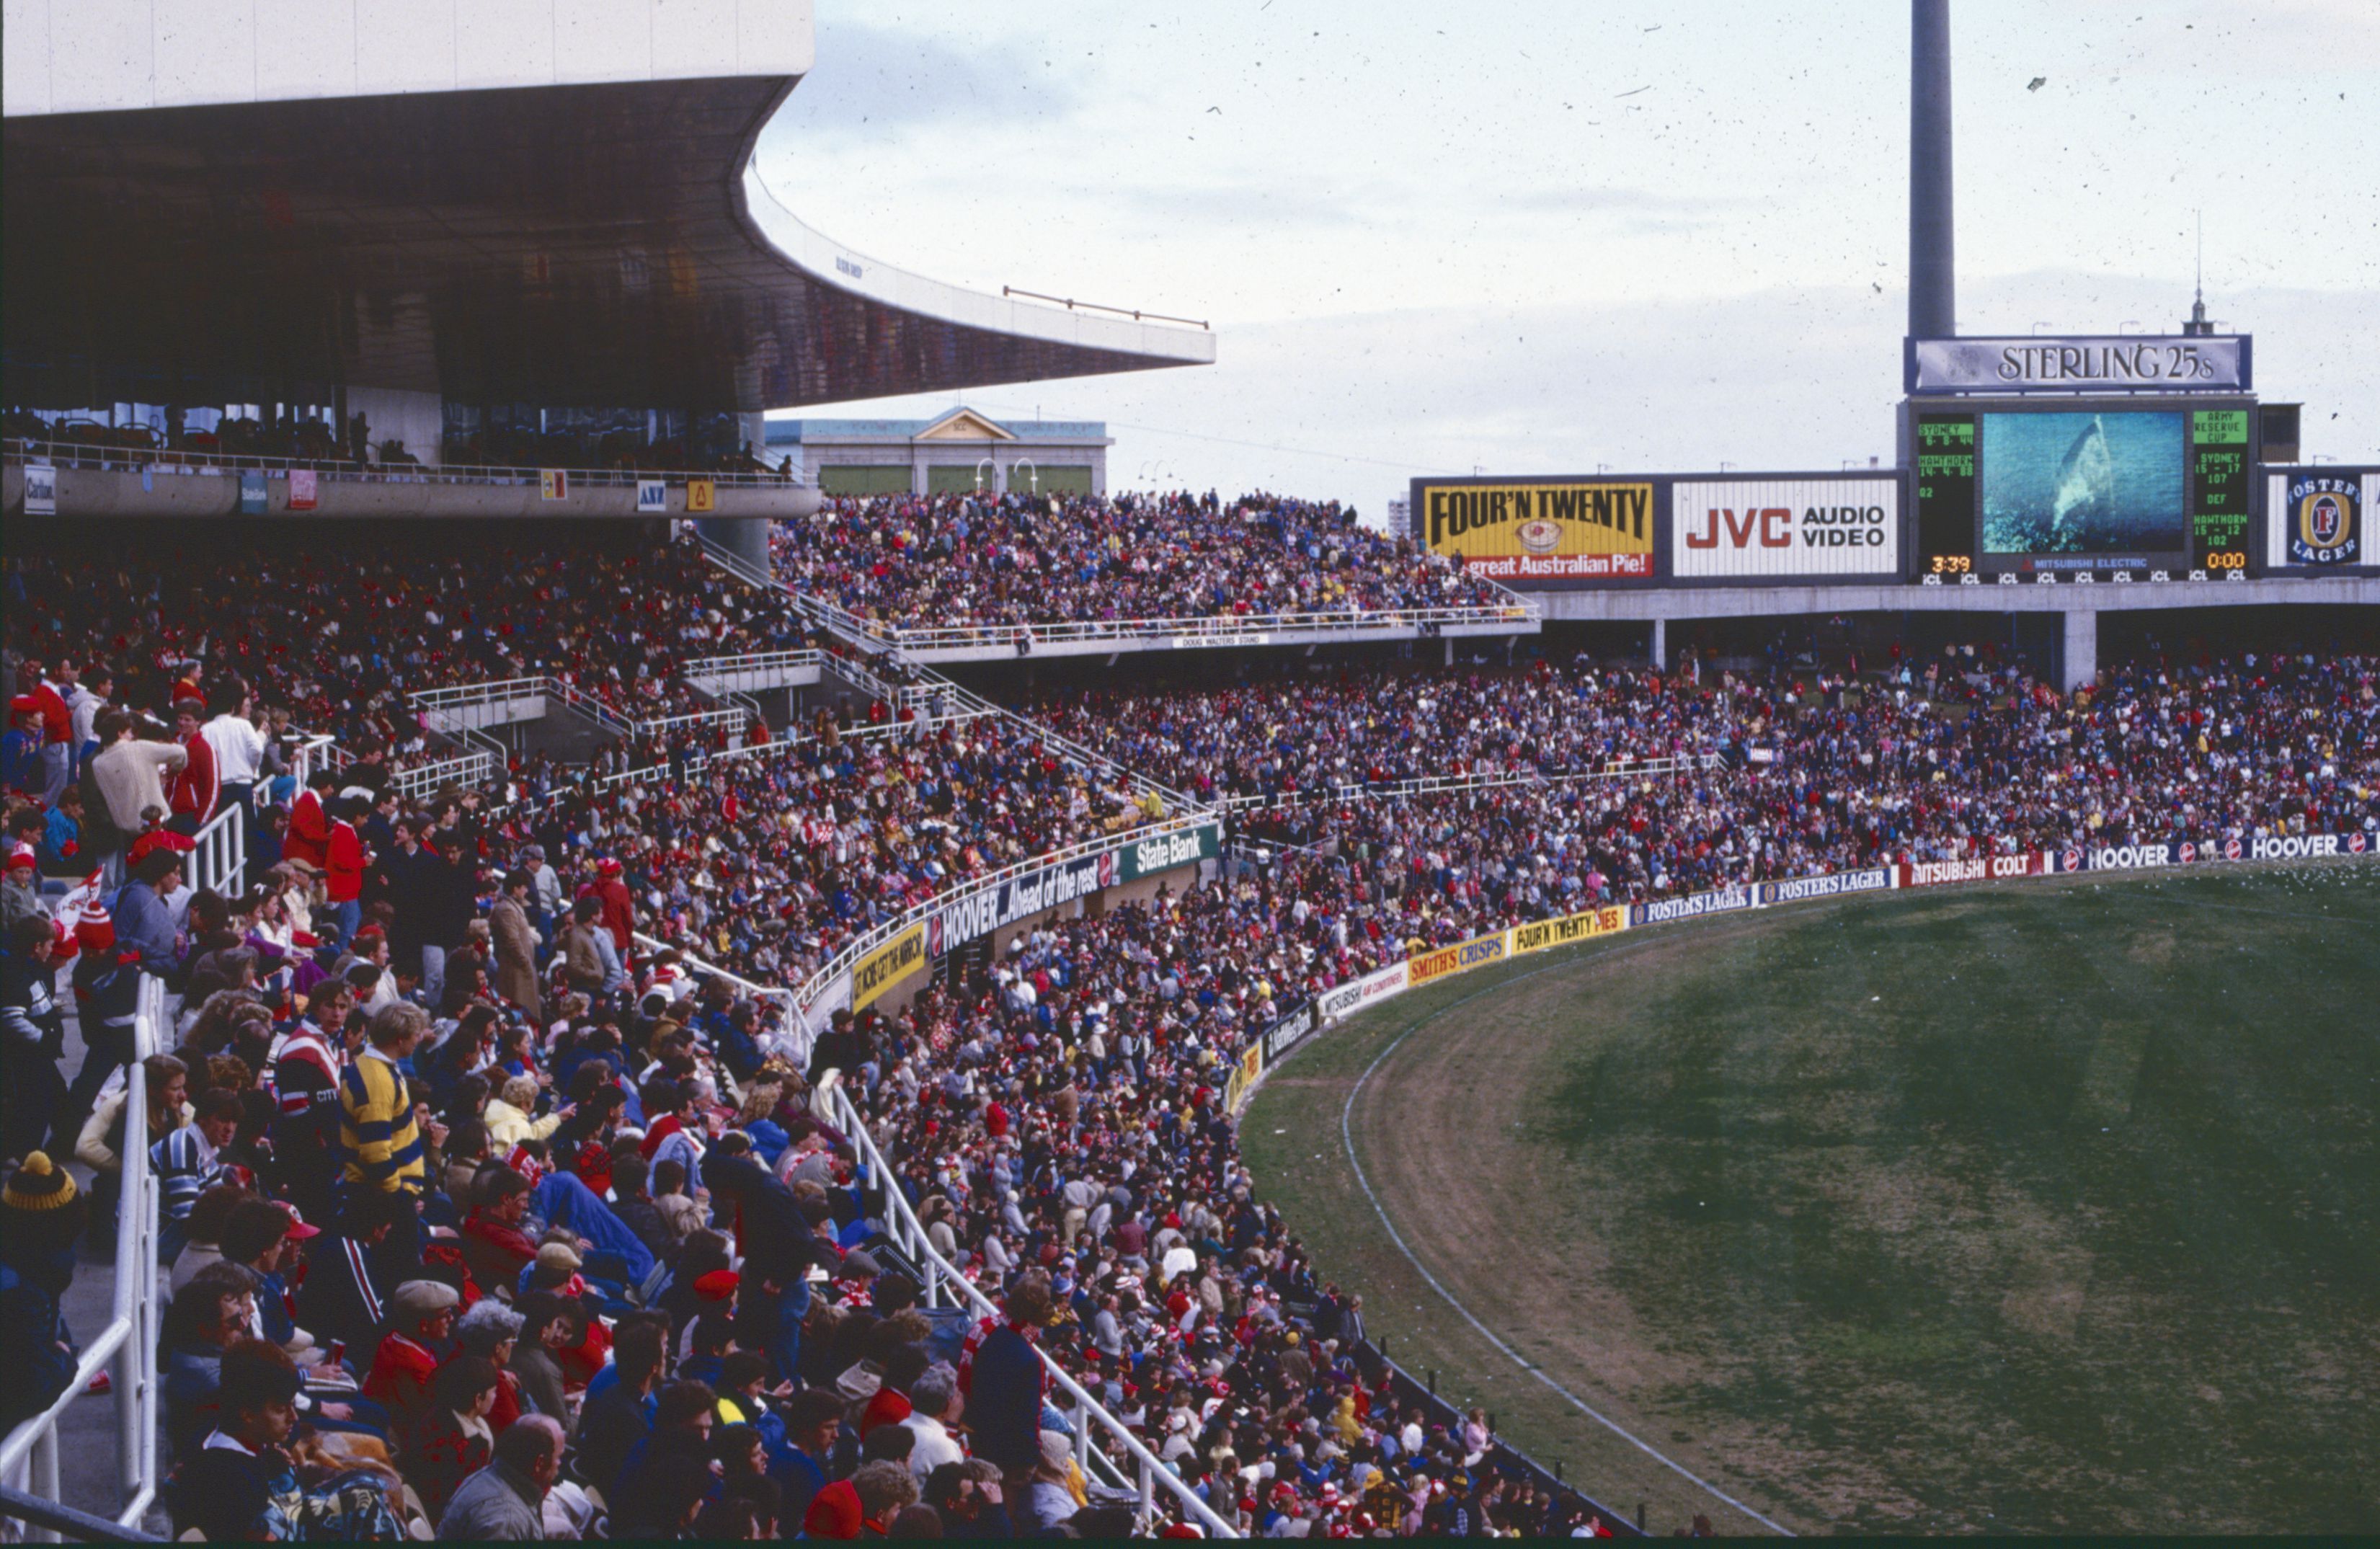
{"points": [[238, 748]]}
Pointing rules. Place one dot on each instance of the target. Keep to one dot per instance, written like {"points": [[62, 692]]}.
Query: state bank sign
{"points": [[1774, 528]]}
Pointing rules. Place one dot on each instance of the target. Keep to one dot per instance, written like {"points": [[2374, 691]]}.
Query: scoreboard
{"points": [[2137, 487]]}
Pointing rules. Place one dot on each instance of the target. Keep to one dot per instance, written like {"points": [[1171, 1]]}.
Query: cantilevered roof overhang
{"points": [[597, 242]]}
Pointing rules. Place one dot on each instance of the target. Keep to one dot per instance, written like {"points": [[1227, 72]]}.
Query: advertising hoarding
{"points": [[1793, 889], [1289, 1032], [1987, 868], [1459, 958], [1356, 994], [2122, 363], [873, 975], [1785, 527], [1539, 530], [1564, 929], [1694, 906], [2315, 518], [1002, 904]]}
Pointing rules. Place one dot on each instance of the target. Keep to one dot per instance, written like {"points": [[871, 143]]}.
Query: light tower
{"points": [[1932, 298]]}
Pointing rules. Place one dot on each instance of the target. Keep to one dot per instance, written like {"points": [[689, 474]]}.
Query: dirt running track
{"points": [[1488, 1217], [1889, 1271]]}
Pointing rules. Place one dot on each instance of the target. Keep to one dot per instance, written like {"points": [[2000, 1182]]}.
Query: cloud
{"points": [[1615, 201], [877, 83], [1349, 407]]}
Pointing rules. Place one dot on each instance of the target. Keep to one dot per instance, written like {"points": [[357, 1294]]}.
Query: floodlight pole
{"points": [[1932, 297]]}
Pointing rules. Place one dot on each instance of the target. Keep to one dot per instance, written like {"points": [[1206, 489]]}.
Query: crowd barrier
{"points": [[172, 461], [126, 1350], [1511, 614], [1118, 1461], [1434, 785]]}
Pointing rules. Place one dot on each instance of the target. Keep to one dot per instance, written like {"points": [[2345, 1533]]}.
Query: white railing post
{"points": [[219, 854], [127, 1347]]}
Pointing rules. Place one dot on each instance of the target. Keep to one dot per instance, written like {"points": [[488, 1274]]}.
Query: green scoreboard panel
{"points": [[2133, 488]]}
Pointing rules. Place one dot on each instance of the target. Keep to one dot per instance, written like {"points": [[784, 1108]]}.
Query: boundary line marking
{"points": [[1347, 1139]]}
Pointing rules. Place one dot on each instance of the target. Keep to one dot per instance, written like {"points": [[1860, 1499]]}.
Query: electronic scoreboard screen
{"points": [[2129, 489]]}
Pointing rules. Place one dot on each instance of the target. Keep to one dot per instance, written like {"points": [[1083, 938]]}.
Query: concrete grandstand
{"points": [[785, 924]]}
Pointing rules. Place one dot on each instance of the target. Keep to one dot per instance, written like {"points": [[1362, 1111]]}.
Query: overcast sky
{"points": [[1542, 238]]}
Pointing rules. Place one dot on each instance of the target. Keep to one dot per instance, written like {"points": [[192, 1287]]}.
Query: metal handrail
{"points": [[490, 692], [661, 725], [903, 1228], [1132, 312], [750, 661], [737, 564], [506, 690], [949, 700], [126, 1349], [219, 853], [76, 453], [1520, 612], [1432, 785]]}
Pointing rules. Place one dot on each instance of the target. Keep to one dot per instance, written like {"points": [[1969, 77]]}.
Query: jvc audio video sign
{"points": [[1787, 527], [2126, 363]]}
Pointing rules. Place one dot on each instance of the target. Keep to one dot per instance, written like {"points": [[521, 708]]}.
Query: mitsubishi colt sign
{"points": [[1776, 528]]}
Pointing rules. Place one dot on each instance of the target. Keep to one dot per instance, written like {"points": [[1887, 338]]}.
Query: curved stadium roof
{"points": [[551, 204]]}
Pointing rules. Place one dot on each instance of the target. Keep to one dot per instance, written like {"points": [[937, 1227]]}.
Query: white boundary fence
{"points": [[126, 1349]]}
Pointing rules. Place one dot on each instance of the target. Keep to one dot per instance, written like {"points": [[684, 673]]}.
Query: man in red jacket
{"points": [[57, 727], [308, 835], [343, 871], [195, 789], [619, 906]]}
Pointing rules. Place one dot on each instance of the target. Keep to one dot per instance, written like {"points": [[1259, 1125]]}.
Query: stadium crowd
{"points": [[331, 638], [960, 560], [485, 1213]]}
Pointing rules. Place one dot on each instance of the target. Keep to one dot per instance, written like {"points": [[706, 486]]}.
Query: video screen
{"points": [[2105, 483]]}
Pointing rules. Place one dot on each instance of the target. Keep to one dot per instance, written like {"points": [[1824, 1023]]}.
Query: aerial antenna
{"points": [[2198, 327]]}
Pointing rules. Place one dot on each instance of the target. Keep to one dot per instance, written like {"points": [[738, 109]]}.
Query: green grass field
{"points": [[2048, 1206]]}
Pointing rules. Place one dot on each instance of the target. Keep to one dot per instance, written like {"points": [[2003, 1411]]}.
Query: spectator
{"points": [[241, 1484], [452, 1439], [505, 1500]]}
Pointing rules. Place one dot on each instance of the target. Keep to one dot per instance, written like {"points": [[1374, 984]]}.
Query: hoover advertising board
{"points": [[1785, 527], [1528, 532]]}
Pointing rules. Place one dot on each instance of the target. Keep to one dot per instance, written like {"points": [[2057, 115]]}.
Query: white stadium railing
{"points": [[126, 1350], [1518, 615], [1138, 1469], [219, 856], [135, 459], [1433, 785]]}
